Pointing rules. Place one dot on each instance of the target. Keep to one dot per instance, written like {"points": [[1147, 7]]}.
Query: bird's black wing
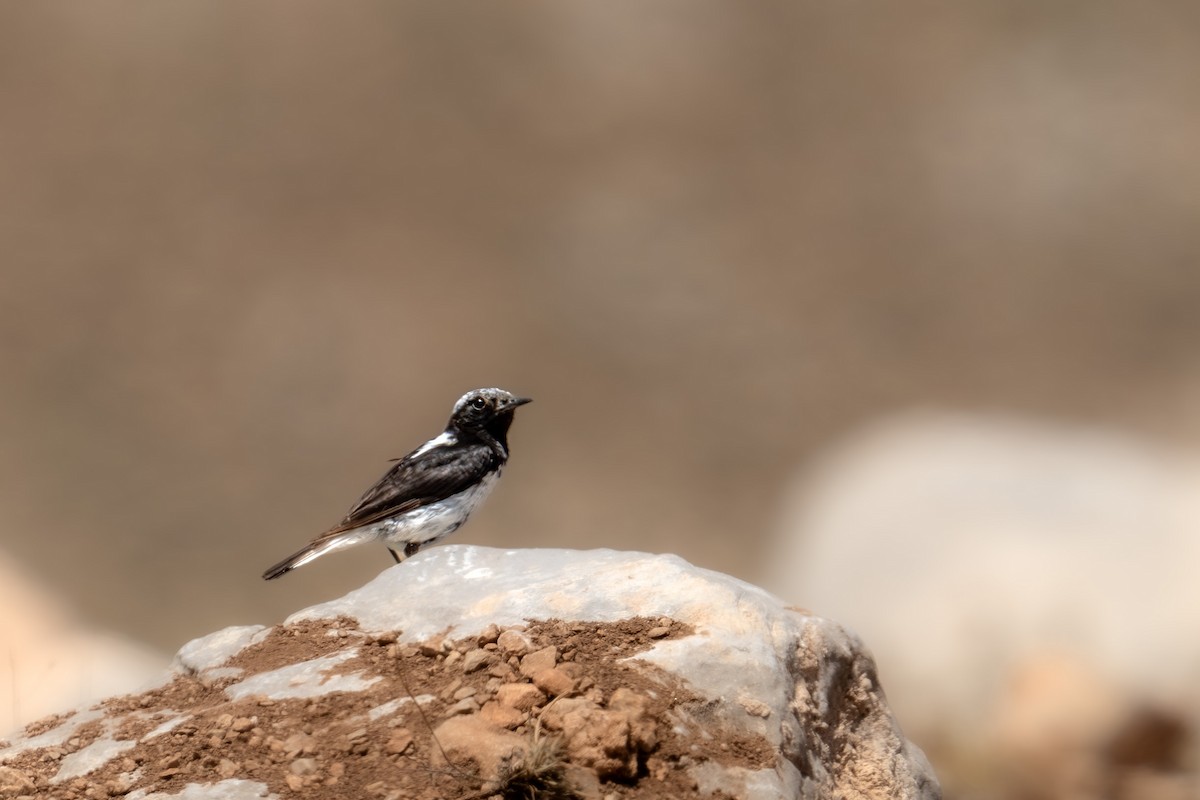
{"points": [[418, 480]]}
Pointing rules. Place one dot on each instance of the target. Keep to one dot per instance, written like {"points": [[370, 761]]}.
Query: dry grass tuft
{"points": [[538, 773]]}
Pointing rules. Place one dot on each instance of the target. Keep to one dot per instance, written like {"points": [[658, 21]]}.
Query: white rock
{"points": [[210, 652], [306, 679], [803, 684], [747, 648], [54, 737], [86, 759], [230, 789], [973, 552]]}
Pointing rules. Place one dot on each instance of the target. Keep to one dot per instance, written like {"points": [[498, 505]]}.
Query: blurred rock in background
{"points": [[251, 251], [51, 663], [1029, 590]]}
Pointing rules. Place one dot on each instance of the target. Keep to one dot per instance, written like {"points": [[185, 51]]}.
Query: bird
{"points": [[429, 493]]}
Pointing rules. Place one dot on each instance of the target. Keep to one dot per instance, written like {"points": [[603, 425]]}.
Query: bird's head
{"points": [[488, 410]]}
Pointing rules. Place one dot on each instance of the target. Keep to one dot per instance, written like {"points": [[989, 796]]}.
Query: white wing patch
{"points": [[443, 439]]}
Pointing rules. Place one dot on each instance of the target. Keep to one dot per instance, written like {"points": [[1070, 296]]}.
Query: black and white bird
{"points": [[430, 492]]}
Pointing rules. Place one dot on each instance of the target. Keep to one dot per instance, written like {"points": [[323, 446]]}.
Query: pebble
{"points": [[539, 660], [554, 681], [514, 642], [432, 647], [465, 706], [303, 766], [297, 744], [521, 696], [451, 688], [489, 634], [475, 659], [502, 716], [400, 741]]}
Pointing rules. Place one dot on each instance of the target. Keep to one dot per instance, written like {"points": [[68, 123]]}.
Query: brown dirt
{"points": [[327, 748]]}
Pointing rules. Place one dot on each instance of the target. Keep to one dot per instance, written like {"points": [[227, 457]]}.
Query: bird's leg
{"points": [[411, 549], [395, 555]]}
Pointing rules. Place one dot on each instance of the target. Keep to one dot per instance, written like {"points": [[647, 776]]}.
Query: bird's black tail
{"points": [[288, 564], [325, 543]]}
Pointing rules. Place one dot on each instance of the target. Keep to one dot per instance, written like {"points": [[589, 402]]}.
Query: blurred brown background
{"points": [[251, 251]]}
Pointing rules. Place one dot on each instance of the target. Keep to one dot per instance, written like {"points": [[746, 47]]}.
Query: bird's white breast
{"points": [[438, 519]]}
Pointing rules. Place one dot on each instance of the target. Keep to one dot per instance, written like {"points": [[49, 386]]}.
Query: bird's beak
{"points": [[517, 401]]}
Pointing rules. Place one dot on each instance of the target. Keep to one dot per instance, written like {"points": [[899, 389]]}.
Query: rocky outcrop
{"points": [[472, 672], [1053, 571]]}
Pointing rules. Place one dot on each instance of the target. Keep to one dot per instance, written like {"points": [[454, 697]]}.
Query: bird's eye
{"points": [[479, 403]]}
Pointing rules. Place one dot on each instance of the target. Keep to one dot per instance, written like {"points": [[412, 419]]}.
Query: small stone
{"points": [[337, 769], [14, 782], [515, 642], [294, 782], [755, 707], [224, 721], [303, 766], [573, 669], [227, 768], [467, 705], [502, 672], [243, 724], [539, 660], [476, 739], [658, 632], [431, 647], [298, 744], [474, 660], [489, 634], [466, 691], [118, 786], [387, 637], [502, 716], [520, 696], [400, 741], [554, 681], [454, 657]]}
